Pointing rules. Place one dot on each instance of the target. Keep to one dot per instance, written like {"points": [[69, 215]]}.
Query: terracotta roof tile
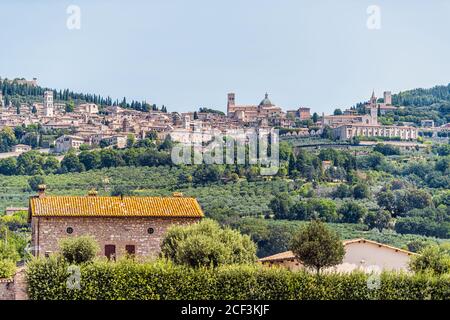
{"points": [[93, 206]]}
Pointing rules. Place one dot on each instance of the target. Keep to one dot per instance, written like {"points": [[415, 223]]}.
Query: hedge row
{"points": [[47, 279]]}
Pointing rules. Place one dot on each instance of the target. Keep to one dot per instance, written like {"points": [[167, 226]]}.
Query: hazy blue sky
{"points": [[187, 54]]}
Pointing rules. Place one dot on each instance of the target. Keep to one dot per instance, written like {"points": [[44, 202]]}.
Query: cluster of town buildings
{"points": [[86, 124], [350, 124], [89, 125]]}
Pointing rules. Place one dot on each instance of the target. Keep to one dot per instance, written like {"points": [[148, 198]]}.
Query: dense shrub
{"points": [[360, 191], [387, 149], [434, 259], [35, 181], [7, 268], [315, 208], [164, 280], [79, 249], [8, 251], [352, 212], [207, 244]]}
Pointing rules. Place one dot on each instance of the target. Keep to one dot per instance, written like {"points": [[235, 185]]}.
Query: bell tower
{"points": [[387, 98], [230, 103], [373, 107], [48, 103]]}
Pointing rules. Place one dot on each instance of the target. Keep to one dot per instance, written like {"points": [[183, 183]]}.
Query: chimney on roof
{"points": [[92, 193], [177, 194], [41, 190]]}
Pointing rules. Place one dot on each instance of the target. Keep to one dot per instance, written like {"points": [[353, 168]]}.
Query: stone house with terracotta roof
{"points": [[360, 254], [120, 225]]}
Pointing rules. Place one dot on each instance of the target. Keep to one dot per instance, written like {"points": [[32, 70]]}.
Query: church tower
{"points": [[373, 109], [48, 103], [387, 98], [373, 99], [231, 103]]}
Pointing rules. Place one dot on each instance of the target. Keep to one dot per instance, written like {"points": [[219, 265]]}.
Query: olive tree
{"points": [[78, 250], [316, 246], [433, 258], [207, 244]]}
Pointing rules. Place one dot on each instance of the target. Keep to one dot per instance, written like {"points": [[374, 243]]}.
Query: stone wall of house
{"points": [[118, 231]]}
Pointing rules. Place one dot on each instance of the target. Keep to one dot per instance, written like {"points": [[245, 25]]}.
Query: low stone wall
{"points": [[7, 291], [15, 288]]}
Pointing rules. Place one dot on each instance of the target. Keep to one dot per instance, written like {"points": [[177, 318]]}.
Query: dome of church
{"points": [[266, 101]]}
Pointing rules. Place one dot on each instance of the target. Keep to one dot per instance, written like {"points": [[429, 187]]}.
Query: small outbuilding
{"points": [[360, 254]]}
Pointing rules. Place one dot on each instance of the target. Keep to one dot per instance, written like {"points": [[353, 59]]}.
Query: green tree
{"points": [[281, 206], [416, 245], [387, 149], [317, 247], [131, 140], [90, 159], [323, 209], [8, 166], [7, 139], [327, 133], [71, 163], [110, 158], [387, 201], [152, 135], [300, 211], [352, 212], [167, 144], [50, 165], [417, 199], [35, 181], [379, 219], [7, 268], [315, 117], [84, 147], [30, 163], [207, 244], [70, 106], [121, 190], [205, 174], [285, 150], [79, 250], [360, 191], [434, 258], [8, 250], [103, 143], [342, 191]]}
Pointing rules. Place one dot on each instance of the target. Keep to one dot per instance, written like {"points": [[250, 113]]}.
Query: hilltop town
{"points": [[91, 124]]}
